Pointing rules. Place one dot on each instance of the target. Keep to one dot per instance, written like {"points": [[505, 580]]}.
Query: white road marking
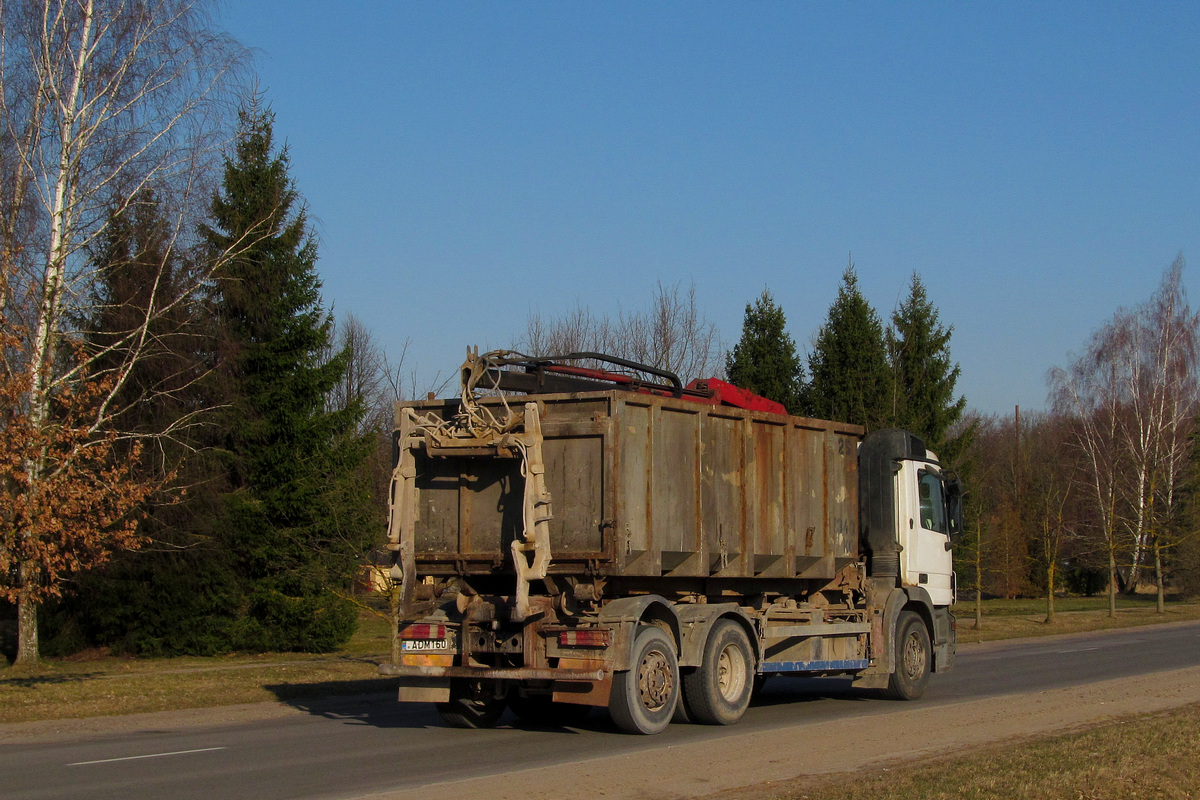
{"points": [[1078, 650], [148, 755]]}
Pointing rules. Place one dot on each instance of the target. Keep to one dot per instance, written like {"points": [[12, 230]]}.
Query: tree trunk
{"points": [[1050, 593], [979, 584], [27, 629], [1112, 584], [1158, 578]]}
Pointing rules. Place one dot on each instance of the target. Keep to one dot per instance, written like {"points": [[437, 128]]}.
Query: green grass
{"points": [[1010, 619], [1135, 758], [1000, 606]]}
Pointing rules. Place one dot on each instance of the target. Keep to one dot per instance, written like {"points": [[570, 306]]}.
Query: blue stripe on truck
{"points": [[815, 666]]}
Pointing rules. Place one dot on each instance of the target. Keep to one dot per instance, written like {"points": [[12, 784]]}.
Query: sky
{"points": [[467, 165]]}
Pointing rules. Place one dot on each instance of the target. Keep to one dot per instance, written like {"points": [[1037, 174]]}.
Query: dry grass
{"points": [[86, 689], [95, 684], [1137, 758]]}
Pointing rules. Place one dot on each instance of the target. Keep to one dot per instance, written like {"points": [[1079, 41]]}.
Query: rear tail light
{"points": [[589, 637], [424, 631]]}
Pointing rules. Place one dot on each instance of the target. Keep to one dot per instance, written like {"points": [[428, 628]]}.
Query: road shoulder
{"points": [[756, 764]]}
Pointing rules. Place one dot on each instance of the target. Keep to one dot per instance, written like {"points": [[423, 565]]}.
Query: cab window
{"points": [[933, 503]]}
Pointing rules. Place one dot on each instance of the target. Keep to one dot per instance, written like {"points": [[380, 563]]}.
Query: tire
{"points": [[914, 656], [541, 710], [760, 680], [682, 716], [644, 697], [472, 705], [718, 692]]}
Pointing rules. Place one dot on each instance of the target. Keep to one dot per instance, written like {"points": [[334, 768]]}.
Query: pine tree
{"points": [[924, 375], [850, 374], [296, 518], [764, 361]]}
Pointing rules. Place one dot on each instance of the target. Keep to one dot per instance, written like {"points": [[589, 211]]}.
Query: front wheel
{"points": [[718, 692], [913, 658], [643, 697], [473, 704]]}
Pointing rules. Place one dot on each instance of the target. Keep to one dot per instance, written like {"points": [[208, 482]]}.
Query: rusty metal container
{"points": [[648, 487]]}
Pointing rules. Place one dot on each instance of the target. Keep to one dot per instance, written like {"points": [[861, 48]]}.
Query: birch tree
{"points": [[1088, 394], [1169, 401], [101, 101], [1133, 399]]}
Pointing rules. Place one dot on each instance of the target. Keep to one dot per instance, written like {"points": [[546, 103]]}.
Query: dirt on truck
{"points": [[581, 530]]}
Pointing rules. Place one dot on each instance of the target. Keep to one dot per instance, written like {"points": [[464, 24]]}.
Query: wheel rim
{"points": [[914, 656], [655, 681], [731, 673]]}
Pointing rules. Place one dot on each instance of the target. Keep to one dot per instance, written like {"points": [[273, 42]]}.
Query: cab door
{"points": [[925, 524]]}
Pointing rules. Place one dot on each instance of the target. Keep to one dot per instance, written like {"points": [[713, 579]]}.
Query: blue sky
{"points": [[468, 164]]}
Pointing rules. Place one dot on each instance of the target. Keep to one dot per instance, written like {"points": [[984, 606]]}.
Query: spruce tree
{"points": [[175, 595], [924, 375], [295, 516], [139, 268], [764, 361], [849, 367]]}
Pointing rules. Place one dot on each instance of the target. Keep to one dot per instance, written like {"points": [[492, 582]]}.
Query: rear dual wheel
{"points": [[718, 691]]}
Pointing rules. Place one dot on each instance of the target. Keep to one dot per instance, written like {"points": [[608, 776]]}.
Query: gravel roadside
{"points": [[758, 765]]}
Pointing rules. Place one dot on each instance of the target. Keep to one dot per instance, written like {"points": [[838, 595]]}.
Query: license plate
{"points": [[425, 644]]}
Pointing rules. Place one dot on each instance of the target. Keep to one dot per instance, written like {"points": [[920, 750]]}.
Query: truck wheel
{"points": [[913, 657], [682, 716], [644, 696], [472, 705], [718, 693], [540, 709]]}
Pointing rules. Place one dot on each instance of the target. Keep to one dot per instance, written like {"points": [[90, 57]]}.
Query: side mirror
{"points": [[954, 506]]}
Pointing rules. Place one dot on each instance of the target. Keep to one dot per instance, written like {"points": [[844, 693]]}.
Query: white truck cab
{"points": [[926, 516]]}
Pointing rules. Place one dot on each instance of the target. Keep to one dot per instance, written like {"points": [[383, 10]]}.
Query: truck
{"points": [[584, 531]]}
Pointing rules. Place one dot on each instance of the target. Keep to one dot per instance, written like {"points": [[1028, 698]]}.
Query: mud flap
{"points": [[424, 690]]}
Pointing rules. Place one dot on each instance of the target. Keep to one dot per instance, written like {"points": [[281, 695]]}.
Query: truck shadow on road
{"points": [[373, 703], [367, 702], [780, 691]]}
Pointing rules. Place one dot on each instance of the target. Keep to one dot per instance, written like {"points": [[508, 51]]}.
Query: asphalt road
{"points": [[347, 747]]}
